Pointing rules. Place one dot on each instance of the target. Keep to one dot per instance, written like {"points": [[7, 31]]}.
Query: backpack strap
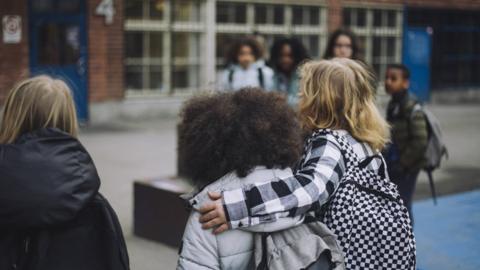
{"points": [[416, 108], [230, 78], [382, 171], [263, 263], [260, 77]]}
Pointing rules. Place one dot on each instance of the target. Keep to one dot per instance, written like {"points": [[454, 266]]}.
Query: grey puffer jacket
{"points": [[233, 249]]}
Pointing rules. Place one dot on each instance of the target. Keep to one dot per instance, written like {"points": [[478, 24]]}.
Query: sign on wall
{"points": [[12, 29]]}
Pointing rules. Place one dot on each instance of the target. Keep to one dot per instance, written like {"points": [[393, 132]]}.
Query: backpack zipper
{"points": [[27, 244]]}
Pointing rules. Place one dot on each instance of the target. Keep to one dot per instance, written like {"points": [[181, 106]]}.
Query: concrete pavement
{"points": [[125, 151], [447, 234]]}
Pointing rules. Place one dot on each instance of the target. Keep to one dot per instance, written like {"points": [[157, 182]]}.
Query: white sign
{"points": [[12, 29], [106, 9]]}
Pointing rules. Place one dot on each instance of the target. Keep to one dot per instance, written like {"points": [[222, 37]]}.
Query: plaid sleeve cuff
{"points": [[235, 207]]}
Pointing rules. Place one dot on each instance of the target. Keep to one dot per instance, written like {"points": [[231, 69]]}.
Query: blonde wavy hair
{"points": [[38, 102], [339, 94]]}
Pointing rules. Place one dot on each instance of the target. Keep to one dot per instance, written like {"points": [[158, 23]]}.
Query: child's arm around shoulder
{"points": [[309, 188]]}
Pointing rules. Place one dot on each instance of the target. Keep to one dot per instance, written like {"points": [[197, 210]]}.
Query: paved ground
{"points": [[447, 234], [127, 151]]}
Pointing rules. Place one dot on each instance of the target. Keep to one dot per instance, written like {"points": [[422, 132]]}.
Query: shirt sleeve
{"points": [[316, 179]]}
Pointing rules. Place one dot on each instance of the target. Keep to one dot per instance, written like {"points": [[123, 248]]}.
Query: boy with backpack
{"points": [[409, 130]]}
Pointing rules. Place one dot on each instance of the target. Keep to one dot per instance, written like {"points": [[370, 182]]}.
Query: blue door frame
{"points": [[66, 55], [417, 44]]}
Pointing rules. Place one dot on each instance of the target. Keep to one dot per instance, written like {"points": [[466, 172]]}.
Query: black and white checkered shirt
{"points": [[316, 177]]}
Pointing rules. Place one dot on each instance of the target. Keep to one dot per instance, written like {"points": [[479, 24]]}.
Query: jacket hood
{"points": [[46, 178]]}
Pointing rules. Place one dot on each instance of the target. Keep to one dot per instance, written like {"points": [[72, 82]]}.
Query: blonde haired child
{"points": [[38, 102], [52, 215], [339, 95]]}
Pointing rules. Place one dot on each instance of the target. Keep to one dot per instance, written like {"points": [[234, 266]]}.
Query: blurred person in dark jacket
{"points": [[286, 55], [406, 154], [51, 213]]}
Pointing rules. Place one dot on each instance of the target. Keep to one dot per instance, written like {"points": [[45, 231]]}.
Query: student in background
{"points": [[405, 155], [285, 56], [52, 216], [246, 67], [342, 44]]}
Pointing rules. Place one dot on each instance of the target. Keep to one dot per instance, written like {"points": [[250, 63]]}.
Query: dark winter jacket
{"points": [[51, 214], [409, 133]]}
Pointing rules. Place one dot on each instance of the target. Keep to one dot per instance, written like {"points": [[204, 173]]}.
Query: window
{"points": [[269, 14], [144, 51], [186, 60], [162, 45], [231, 12], [165, 39], [57, 6], [156, 9], [187, 11], [306, 15], [380, 35], [59, 44]]}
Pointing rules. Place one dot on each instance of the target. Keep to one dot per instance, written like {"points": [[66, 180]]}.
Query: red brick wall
{"points": [[105, 53], [13, 57], [450, 4], [334, 15], [458, 4]]}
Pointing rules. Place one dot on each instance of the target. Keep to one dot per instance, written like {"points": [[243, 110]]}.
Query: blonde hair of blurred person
{"points": [[51, 186], [339, 94], [38, 102]]}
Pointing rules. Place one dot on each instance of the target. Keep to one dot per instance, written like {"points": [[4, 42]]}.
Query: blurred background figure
{"points": [[344, 44], [285, 56], [246, 67], [405, 156]]}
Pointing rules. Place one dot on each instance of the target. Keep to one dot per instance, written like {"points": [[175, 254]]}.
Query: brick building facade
{"points": [[13, 57], [105, 47], [104, 70], [154, 51]]}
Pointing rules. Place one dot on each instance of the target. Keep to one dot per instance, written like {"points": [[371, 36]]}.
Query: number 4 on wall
{"points": [[106, 8]]}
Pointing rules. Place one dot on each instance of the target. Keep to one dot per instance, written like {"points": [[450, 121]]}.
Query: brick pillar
{"points": [[334, 15], [13, 57], [105, 54]]}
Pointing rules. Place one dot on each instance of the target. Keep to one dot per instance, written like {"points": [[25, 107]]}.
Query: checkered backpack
{"points": [[367, 215]]}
